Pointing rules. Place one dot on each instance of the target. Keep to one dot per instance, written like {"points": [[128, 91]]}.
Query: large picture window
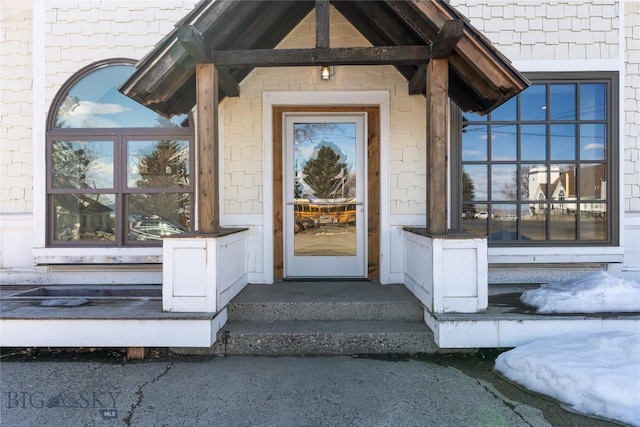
{"points": [[118, 174], [540, 168]]}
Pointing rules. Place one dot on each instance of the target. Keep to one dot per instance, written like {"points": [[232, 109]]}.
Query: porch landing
{"points": [[335, 317], [509, 323], [101, 322]]}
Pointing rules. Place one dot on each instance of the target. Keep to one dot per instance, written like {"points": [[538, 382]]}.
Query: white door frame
{"points": [[377, 98]]}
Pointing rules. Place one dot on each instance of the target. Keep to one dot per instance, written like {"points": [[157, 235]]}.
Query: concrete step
{"points": [[325, 301], [322, 318], [320, 338]]}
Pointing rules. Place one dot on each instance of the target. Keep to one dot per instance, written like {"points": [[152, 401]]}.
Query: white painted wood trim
{"points": [[597, 254], [570, 65], [492, 333], [97, 255], [39, 124], [379, 98], [111, 332]]}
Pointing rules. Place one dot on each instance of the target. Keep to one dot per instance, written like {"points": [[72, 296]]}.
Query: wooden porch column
{"points": [[208, 195], [437, 81]]}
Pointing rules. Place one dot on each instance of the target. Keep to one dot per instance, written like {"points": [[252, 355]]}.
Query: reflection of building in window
{"points": [[79, 217], [560, 187]]}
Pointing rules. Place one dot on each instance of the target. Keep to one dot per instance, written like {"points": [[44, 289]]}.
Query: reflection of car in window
{"points": [[481, 215], [154, 229]]}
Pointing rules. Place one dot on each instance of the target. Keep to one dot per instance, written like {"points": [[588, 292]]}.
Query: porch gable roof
{"points": [[481, 78]]}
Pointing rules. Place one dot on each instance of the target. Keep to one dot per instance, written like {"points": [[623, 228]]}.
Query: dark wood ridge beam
{"points": [[446, 40], [196, 46], [378, 55], [322, 23]]}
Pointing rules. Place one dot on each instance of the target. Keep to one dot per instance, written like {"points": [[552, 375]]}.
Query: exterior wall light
{"points": [[326, 72]]}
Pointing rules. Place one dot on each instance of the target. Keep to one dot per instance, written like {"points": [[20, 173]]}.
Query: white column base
{"points": [[448, 273], [202, 273]]}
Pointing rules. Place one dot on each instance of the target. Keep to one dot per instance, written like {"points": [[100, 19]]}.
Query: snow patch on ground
{"points": [[593, 373], [597, 292]]}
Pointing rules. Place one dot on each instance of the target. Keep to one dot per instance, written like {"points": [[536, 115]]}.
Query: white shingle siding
{"points": [[547, 30], [16, 164], [79, 33], [632, 108]]}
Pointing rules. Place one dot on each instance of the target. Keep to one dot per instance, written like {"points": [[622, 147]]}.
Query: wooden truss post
{"points": [[437, 80], [208, 195], [437, 91]]}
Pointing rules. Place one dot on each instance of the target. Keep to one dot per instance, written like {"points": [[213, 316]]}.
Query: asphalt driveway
{"points": [[102, 388]]}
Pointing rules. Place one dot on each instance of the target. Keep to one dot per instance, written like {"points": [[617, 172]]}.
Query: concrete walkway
{"points": [[254, 391]]}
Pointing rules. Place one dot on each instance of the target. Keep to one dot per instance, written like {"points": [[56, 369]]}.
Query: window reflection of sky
{"points": [[563, 101], [592, 141], [505, 112], [592, 101], [341, 137], [533, 142], [504, 142], [563, 142], [94, 102], [474, 142], [533, 103]]}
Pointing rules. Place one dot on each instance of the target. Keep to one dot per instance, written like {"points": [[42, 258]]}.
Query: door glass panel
{"points": [[324, 189]]}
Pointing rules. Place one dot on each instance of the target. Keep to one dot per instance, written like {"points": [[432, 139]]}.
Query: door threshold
{"points": [[326, 279]]}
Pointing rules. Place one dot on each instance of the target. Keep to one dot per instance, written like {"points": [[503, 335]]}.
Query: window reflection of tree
{"points": [[167, 166], [74, 164]]}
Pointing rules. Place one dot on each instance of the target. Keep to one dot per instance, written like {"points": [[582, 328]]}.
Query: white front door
{"points": [[324, 195]]}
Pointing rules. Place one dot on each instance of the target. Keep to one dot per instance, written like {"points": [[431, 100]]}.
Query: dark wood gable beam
{"points": [[195, 44], [380, 27], [378, 55], [322, 23]]}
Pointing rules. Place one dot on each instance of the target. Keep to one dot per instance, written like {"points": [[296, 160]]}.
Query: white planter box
{"points": [[202, 273], [448, 274]]}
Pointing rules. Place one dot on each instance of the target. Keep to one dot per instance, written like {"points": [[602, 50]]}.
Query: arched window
{"points": [[118, 174]]}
